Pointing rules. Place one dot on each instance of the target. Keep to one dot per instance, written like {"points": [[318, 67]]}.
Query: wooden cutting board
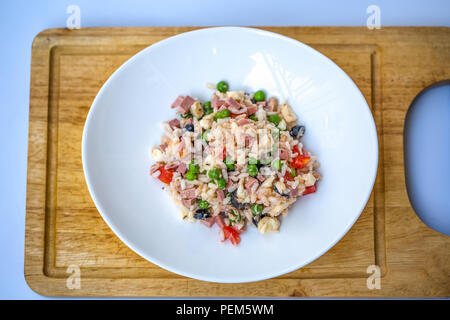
{"points": [[64, 230]]}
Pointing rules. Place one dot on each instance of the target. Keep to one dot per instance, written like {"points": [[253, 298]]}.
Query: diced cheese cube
{"points": [[197, 110], [287, 113]]}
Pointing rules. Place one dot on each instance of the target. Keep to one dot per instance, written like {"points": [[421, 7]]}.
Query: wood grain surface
{"points": [[63, 228]]}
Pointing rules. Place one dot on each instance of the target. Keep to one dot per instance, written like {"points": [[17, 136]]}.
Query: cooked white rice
{"points": [[238, 201]]}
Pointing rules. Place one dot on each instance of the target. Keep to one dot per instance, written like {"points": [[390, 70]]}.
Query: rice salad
{"points": [[236, 160]]}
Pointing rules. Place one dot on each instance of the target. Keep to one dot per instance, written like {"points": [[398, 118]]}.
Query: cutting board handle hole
{"points": [[427, 155]]}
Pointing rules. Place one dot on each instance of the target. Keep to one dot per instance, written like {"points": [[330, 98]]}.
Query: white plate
{"points": [[124, 123]]}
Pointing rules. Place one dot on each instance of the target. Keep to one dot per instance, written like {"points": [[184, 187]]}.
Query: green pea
{"points": [[253, 117], [259, 95], [274, 119], [207, 105], [293, 173], [276, 164], [222, 86], [207, 109], [256, 209], [203, 204], [205, 135], [195, 168], [229, 163], [225, 113], [221, 183], [214, 174], [191, 175], [252, 170]]}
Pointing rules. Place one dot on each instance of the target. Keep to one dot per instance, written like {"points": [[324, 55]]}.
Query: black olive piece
{"points": [[189, 127], [236, 203], [297, 131], [281, 194], [202, 214], [253, 100]]}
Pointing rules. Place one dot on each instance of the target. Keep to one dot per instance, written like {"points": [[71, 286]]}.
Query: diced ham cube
{"points": [[182, 168], [177, 102], [185, 105], [251, 109], [188, 202], [219, 221], [250, 183], [293, 192], [216, 102], [234, 107], [208, 221], [220, 194], [171, 165], [174, 123], [183, 110], [187, 102], [233, 103], [188, 193]]}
